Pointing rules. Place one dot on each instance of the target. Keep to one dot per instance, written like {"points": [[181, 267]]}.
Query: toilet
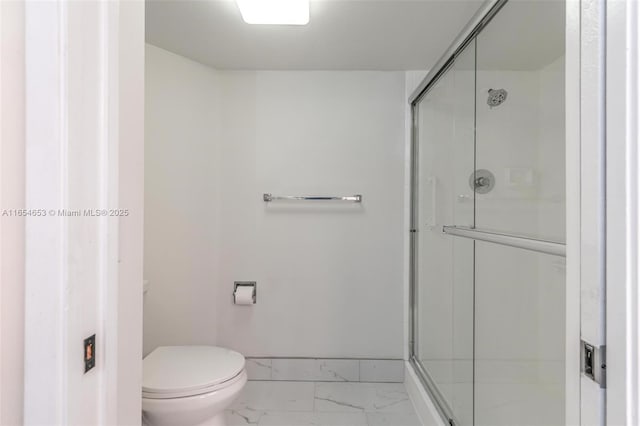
{"points": [[190, 385]]}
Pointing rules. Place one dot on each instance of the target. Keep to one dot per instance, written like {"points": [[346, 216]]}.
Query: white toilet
{"points": [[190, 385]]}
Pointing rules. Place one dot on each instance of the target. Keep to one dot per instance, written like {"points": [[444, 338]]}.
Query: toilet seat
{"points": [[183, 371], [191, 393]]}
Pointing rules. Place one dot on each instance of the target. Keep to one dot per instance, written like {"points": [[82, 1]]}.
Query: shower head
{"points": [[496, 97]]}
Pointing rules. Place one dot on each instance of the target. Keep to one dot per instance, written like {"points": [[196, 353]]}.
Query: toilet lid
{"points": [[188, 369]]}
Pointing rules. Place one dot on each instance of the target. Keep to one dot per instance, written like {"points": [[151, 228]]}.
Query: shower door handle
{"points": [[527, 243]]}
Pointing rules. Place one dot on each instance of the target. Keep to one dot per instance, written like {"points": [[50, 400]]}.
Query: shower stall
{"points": [[488, 220]]}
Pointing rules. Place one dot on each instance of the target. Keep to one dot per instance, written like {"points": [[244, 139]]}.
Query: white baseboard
{"points": [[426, 409]]}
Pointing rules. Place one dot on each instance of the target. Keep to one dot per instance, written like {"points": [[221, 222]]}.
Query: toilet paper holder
{"points": [[252, 284]]}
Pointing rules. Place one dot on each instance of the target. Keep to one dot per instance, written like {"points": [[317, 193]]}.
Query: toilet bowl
{"points": [[190, 385]]}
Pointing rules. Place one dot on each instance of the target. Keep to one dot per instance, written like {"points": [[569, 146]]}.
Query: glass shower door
{"points": [[520, 294], [444, 266], [488, 212]]}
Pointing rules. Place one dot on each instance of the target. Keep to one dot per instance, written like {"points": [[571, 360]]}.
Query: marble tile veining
{"points": [[385, 397], [258, 368], [275, 396], [243, 416], [312, 418], [330, 370], [338, 370]]}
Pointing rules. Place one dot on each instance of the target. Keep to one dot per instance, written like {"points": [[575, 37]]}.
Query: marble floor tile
{"points": [[393, 419], [383, 397], [381, 370], [283, 403], [243, 416], [275, 396], [312, 418]]}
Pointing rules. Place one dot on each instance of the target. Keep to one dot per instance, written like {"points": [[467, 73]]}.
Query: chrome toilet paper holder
{"points": [[252, 284]]}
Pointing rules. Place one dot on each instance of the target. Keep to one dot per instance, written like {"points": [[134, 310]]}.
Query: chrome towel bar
{"points": [[270, 197], [541, 246]]}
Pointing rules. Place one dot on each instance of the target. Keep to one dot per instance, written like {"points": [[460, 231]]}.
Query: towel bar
{"points": [[270, 197]]}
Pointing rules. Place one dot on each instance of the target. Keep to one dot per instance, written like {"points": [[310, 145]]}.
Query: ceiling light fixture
{"points": [[274, 12]]}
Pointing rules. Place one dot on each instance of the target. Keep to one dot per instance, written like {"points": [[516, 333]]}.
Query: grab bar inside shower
{"points": [[270, 197]]}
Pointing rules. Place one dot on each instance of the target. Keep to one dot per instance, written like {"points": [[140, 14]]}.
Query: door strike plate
{"points": [[594, 362], [89, 353]]}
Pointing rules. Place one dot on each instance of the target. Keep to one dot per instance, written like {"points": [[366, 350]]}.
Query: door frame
{"points": [[622, 19], [84, 114]]}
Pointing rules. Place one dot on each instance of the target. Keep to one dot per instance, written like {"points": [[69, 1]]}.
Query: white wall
{"points": [[330, 276], [181, 200]]}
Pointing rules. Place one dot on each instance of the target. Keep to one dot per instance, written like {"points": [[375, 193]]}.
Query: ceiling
{"points": [[341, 34], [357, 34]]}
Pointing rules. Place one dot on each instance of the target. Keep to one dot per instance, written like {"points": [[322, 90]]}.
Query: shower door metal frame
{"points": [[484, 15]]}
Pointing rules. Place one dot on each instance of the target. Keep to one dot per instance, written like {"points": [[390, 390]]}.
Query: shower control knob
{"points": [[482, 181]]}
